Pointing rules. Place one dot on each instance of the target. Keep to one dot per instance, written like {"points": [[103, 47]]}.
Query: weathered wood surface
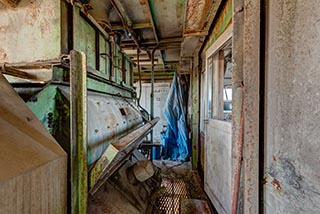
{"points": [[33, 172]]}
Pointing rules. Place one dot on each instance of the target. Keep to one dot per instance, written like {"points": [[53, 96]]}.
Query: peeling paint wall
{"points": [[30, 31], [292, 169]]}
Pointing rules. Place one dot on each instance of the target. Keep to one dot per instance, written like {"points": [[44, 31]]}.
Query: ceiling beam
{"points": [[152, 20], [167, 70], [143, 60], [196, 33], [212, 14], [126, 21], [134, 26], [162, 41]]}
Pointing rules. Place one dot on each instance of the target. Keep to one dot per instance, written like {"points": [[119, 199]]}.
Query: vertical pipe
{"points": [[78, 115], [152, 92], [139, 74]]}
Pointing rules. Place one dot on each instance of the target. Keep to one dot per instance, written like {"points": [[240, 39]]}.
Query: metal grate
{"points": [[169, 201]]}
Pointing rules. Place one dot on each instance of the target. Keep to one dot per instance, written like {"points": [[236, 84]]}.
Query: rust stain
{"points": [[264, 180], [143, 2], [197, 12], [277, 185], [3, 55]]}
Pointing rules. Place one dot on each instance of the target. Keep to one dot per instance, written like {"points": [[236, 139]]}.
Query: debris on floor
{"points": [[181, 190]]}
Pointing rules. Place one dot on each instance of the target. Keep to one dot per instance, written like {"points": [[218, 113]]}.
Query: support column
{"points": [[78, 116], [251, 77], [195, 113]]}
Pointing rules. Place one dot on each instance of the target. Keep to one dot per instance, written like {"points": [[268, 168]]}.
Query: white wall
{"points": [[161, 91], [218, 164]]}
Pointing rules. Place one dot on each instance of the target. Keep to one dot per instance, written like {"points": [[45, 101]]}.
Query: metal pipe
{"points": [[139, 74], [152, 92]]}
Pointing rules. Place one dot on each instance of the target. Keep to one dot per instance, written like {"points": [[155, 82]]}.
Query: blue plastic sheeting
{"points": [[175, 141]]}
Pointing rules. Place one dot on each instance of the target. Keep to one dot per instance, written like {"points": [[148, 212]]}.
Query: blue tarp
{"points": [[175, 141]]}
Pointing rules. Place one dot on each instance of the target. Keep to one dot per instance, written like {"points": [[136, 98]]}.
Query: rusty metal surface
{"points": [[124, 192], [179, 182], [196, 14], [194, 206], [115, 154], [169, 201], [199, 17]]}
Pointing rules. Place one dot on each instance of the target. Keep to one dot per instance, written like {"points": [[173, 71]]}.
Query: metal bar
{"points": [[78, 115], [152, 92], [36, 64], [17, 73], [139, 75], [197, 33], [134, 26], [149, 11], [147, 70], [167, 75], [161, 41], [115, 154]]}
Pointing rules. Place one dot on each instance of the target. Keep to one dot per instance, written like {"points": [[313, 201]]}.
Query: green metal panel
{"points": [[107, 88], [84, 38], [120, 76], [103, 58], [43, 106], [108, 59]]}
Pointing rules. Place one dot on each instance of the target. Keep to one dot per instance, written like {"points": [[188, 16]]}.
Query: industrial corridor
{"points": [[159, 106]]}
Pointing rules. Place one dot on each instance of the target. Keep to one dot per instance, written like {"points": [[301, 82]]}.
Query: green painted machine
{"points": [[80, 86]]}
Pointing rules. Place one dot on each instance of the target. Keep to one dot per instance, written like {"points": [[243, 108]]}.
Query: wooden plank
{"points": [[78, 115]]}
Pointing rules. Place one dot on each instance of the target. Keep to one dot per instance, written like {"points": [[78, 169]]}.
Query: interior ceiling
{"points": [[176, 27]]}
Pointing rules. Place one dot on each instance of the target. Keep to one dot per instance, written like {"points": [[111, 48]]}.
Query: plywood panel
{"points": [[33, 167], [218, 164]]}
